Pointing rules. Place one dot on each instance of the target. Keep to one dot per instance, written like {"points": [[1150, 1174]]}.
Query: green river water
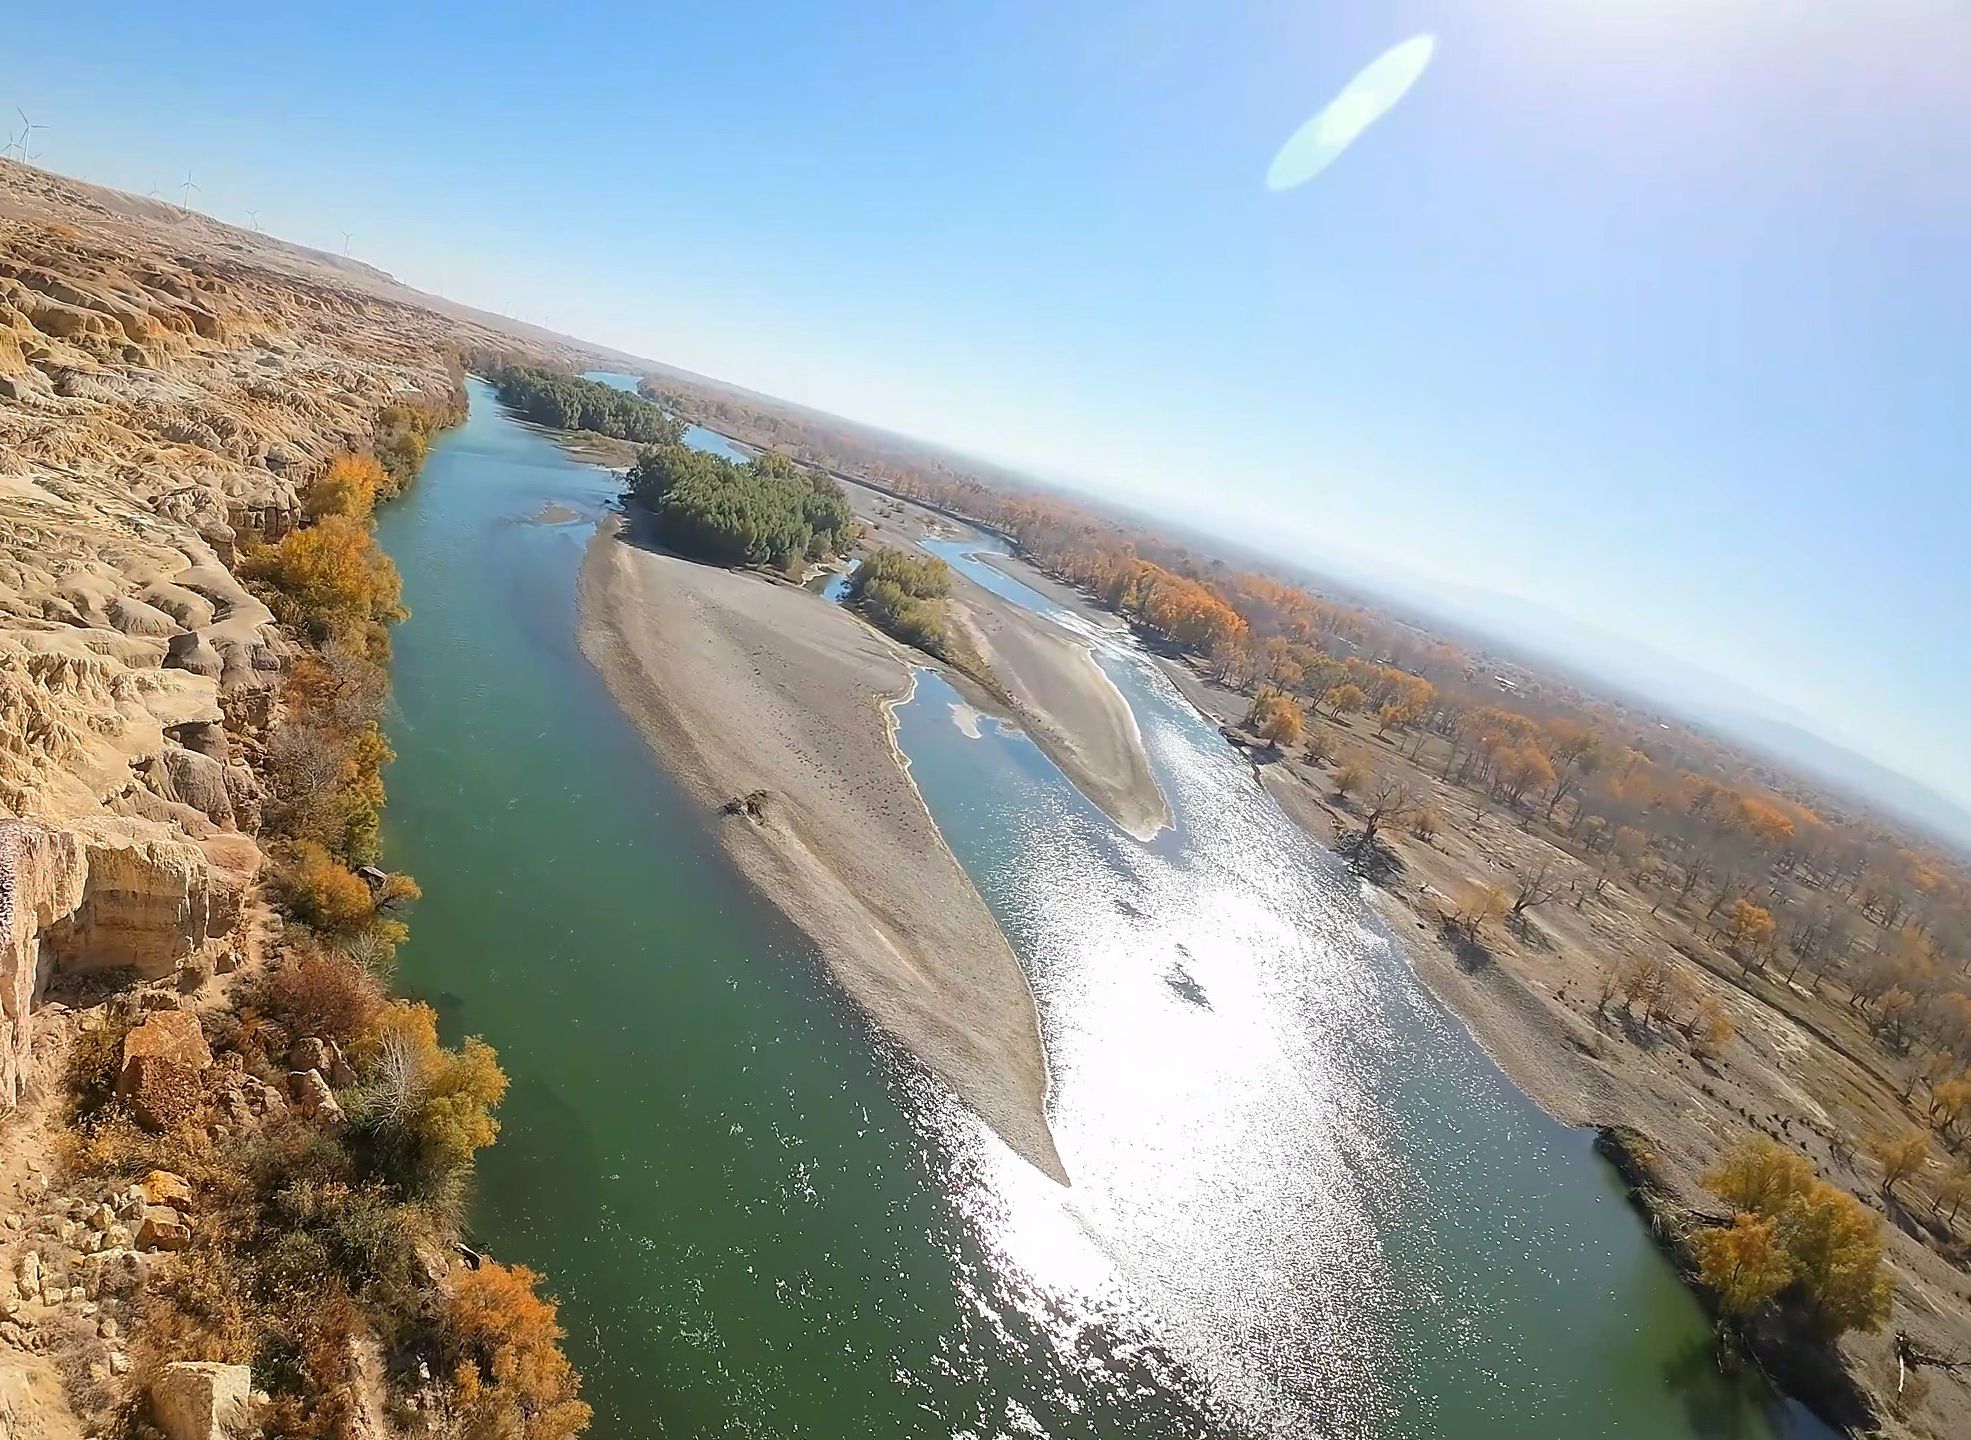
{"points": [[1305, 1203]]}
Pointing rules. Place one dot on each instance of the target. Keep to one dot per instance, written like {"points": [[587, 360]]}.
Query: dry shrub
{"points": [[325, 784], [339, 686], [311, 1365], [94, 1061], [320, 992], [198, 1308], [81, 1360]]}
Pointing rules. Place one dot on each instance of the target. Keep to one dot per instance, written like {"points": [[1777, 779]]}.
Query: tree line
{"points": [[764, 511], [568, 402], [316, 1238]]}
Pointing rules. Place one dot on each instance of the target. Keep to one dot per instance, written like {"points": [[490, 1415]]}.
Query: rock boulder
{"points": [[162, 1061], [163, 1228], [199, 1400], [312, 1096], [162, 1187]]}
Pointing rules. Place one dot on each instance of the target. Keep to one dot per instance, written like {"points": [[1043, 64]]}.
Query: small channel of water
{"points": [[1305, 1203]]}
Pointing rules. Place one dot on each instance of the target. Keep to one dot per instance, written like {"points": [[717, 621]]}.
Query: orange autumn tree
{"points": [[1743, 1264], [444, 1098], [509, 1377], [1750, 929], [1344, 699], [331, 576], [1275, 718], [1832, 1242], [351, 485]]}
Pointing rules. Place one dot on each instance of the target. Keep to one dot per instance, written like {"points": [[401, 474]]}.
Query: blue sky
{"points": [[1654, 312]]}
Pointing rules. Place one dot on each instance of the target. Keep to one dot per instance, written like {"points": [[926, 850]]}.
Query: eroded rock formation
{"points": [[169, 386]]}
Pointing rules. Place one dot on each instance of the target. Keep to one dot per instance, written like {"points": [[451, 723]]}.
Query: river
{"points": [[1305, 1203]]}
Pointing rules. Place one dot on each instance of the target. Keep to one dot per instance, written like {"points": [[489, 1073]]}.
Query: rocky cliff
{"points": [[169, 386]]}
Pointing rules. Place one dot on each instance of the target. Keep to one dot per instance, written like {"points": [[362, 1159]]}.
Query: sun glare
{"points": [[1363, 100]]}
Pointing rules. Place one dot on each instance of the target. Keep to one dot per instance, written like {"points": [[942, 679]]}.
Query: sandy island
{"points": [[1070, 707], [1060, 696], [741, 685]]}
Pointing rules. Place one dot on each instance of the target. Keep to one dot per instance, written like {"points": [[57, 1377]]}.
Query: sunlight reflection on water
{"points": [[1279, 1143], [1218, 1152]]}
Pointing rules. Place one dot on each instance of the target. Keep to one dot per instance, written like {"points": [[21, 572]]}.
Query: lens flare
{"points": [[1364, 100]]}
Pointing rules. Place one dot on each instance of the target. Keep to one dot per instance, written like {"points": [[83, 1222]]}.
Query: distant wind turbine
{"points": [[188, 187], [28, 127], [14, 144], [253, 217], [155, 193], [345, 242]]}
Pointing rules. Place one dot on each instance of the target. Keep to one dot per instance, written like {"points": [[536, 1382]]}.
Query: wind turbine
{"points": [[155, 193], [188, 187], [15, 144], [253, 216], [345, 242], [28, 127]]}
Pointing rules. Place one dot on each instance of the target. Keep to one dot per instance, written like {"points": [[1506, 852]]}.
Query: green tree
{"points": [[766, 511], [568, 402]]}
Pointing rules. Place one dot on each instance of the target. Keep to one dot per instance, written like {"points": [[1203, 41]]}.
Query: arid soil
{"points": [[746, 687]]}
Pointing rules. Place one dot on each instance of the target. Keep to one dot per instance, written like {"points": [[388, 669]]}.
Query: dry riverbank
{"points": [[1532, 1002], [1531, 999], [740, 686]]}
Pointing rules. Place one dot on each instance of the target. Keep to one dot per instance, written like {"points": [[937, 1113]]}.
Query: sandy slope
{"points": [[740, 685], [1070, 707]]}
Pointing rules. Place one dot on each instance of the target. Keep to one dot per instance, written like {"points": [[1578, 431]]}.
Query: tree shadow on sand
{"points": [[1370, 856], [1467, 948]]}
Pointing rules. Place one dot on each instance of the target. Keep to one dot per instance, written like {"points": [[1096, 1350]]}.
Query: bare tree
{"points": [[1388, 802], [1535, 887]]}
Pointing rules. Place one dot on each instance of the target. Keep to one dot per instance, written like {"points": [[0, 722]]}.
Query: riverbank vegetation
{"points": [[568, 402], [904, 595], [1792, 1237], [764, 511], [315, 1136]]}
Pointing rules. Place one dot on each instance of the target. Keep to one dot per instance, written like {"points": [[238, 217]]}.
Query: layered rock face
{"points": [[169, 386]]}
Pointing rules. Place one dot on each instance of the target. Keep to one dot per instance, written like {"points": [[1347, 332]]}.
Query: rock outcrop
{"points": [[163, 1059], [200, 1400], [107, 893], [169, 388]]}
